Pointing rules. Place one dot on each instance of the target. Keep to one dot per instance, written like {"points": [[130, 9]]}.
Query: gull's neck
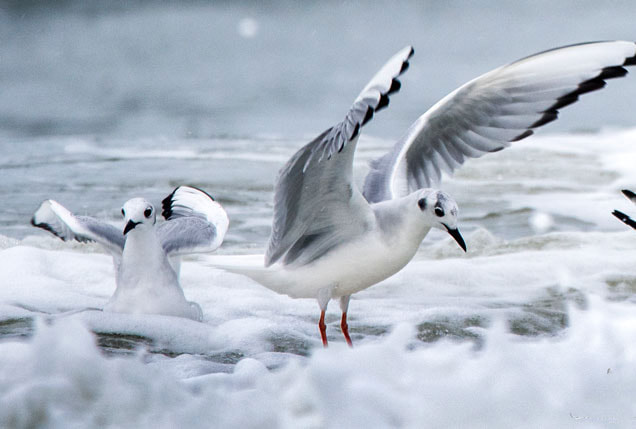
{"points": [[143, 255], [400, 221]]}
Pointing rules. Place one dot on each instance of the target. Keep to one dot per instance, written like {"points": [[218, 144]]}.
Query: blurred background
{"points": [[149, 68], [110, 100], [102, 101]]}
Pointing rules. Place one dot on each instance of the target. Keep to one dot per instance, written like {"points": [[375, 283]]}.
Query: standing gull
{"points": [[329, 240], [146, 256]]}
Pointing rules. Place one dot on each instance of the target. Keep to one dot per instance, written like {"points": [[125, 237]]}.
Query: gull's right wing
{"points": [[316, 203], [59, 221]]}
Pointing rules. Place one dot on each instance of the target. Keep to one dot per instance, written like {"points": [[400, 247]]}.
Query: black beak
{"points": [[457, 236], [130, 225]]}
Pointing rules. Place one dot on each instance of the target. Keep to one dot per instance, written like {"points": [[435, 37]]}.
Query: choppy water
{"points": [[533, 327]]}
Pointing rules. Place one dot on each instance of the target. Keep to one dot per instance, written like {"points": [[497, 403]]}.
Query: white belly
{"points": [[347, 269]]}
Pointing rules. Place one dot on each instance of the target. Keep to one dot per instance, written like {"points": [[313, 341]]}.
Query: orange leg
{"points": [[323, 328], [345, 328]]}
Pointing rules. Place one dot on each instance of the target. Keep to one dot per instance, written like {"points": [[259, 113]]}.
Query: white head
{"points": [[440, 211], [138, 211]]}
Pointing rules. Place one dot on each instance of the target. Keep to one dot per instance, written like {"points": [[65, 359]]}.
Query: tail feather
{"points": [[252, 266]]}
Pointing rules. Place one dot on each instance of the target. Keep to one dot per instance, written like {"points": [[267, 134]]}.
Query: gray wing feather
{"points": [[56, 219], [316, 204], [488, 113], [195, 222], [187, 235]]}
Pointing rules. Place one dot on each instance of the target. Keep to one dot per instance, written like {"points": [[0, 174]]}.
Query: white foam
{"points": [[451, 359], [587, 374]]}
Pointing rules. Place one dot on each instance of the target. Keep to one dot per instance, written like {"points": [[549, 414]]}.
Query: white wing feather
{"points": [[488, 113]]}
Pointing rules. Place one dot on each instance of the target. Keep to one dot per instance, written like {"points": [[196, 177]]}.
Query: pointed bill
{"points": [[457, 236]]}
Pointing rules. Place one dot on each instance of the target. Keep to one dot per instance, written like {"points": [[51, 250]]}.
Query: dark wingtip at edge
{"points": [[612, 72], [355, 132], [630, 61], [384, 102], [548, 116], [166, 205], [629, 194], [522, 136], [624, 218], [395, 86], [368, 115]]}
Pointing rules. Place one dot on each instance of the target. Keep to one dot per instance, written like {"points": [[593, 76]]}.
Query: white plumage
{"points": [[146, 255], [329, 240]]}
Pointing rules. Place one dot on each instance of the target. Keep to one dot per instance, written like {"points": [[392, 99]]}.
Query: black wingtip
{"points": [[368, 115], [591, 85], [630, 61], [47, 227], [166, 205], [526, 133], [395, 86], [624, 218], [355, 132], [384, 102], [548, 116], [594, 84], [612, 72], [566, 100], [629, 194]]}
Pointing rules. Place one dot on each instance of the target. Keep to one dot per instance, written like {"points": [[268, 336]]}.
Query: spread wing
{"points": [[488, 113], [58, 220], [316, 204], [195, 223]]}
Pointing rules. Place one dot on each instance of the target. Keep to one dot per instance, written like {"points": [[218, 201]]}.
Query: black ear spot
{"points": [[123, 213], [422, 203], [148, 212]]}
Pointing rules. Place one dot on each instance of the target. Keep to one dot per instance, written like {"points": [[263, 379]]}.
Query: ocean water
{"points": [[535, 326]]}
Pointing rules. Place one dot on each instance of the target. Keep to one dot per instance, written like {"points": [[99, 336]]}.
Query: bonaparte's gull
{"points": [[622, 216], [147, 256], [329, 240]]}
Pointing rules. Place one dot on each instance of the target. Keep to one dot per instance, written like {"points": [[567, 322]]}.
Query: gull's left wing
{"points": [[488, 113], [195, 223]]}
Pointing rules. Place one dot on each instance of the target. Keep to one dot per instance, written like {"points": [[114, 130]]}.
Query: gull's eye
{"points": [[422, 203], [439, 212], [148, 212], [123, 213]]}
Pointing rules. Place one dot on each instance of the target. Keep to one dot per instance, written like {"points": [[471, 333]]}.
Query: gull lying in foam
{"points": [[329, 240], [146, 255], [622, 216]]}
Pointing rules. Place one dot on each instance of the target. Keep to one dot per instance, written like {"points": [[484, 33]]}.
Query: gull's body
{"points": [[146, 256], [330, 240], [389, 241]]}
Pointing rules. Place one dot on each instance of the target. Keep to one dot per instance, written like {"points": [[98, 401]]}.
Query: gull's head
{"points": [[138, 212], [440, 211]]}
